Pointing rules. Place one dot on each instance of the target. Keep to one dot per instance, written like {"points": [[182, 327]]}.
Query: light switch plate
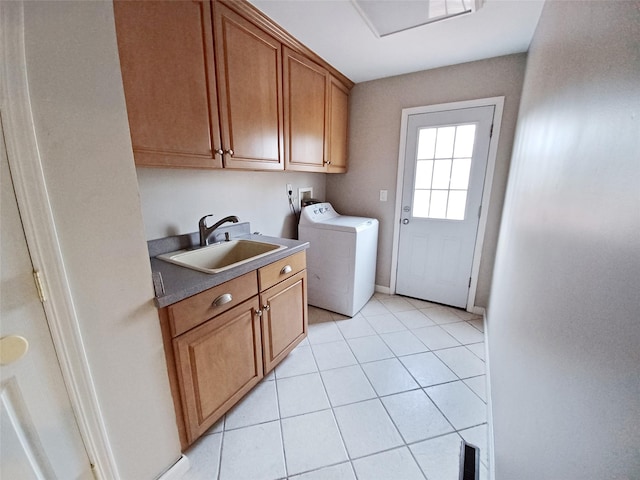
{"points": [[383, 195]]}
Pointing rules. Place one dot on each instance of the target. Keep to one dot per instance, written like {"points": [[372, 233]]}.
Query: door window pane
{"points": [[444, 142], [426, 143], [456, 205], [465, 135], [438, 206], [421, 203], [424, 168], [443, 166], [460, 173], [441, 174]]}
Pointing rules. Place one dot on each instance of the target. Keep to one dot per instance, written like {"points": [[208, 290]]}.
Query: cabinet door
{"points": [[249, 68], [284, 318], [338, 126], [217, 363], [306, 92], [166, 57]]}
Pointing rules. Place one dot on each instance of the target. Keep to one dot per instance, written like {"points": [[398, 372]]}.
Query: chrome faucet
{"points": [[205, 232]]}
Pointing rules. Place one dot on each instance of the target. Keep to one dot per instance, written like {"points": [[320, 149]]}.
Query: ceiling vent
{"points": [[386, 17]]}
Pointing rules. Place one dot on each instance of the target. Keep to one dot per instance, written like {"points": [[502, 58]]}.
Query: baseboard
{"points": [[477, 310], [177, 470], [490, 444], [381, 289]]}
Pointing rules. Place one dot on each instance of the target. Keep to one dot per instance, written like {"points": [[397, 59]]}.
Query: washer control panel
{"points": [[318, 212]]}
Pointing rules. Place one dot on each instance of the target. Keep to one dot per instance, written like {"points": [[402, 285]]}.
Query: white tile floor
{"points": [[387, 394]]}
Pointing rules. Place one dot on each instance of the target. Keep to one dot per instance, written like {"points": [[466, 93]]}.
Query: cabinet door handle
{"points": [[222, 299], [266, 307], [286, 269], [230, 152], [219, 151], [259, 313]]}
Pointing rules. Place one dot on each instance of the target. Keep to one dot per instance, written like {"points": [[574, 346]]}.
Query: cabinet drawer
{"points": [[271, 274], [192, 311]]}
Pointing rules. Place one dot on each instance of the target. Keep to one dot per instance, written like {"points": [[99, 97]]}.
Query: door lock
{"points": [[405, 221]]}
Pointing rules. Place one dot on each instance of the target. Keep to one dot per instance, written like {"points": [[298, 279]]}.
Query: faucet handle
{"points": [[203, 221]]}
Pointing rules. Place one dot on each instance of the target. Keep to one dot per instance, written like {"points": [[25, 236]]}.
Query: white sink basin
{"points": [[222, 256]]}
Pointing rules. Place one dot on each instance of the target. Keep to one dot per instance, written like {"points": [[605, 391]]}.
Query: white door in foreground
{"points": [[39, 437]]}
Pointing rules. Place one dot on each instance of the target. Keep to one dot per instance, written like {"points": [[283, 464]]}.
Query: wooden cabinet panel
{"points": [[338, 126], [217, 363], [166, 57], [195, 310], [306, 89], [280, 270], [216, 354], [249, 69], [284, 318]]}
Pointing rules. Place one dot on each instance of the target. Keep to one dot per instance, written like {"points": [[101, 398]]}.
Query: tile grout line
{"points": [[333, 413], [284, 451], [224, 421]]}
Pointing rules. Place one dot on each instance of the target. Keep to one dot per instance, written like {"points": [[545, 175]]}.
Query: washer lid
{"points": [[346, 224]]}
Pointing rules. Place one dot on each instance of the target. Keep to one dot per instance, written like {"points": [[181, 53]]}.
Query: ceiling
{"points": [[335, 30]]}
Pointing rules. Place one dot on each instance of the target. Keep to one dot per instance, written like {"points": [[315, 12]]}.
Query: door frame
{"points": [[42, 240], [498, 103]]}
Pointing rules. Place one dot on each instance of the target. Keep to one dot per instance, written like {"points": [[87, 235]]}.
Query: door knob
{"points": [[12, 348], [405, 221]]}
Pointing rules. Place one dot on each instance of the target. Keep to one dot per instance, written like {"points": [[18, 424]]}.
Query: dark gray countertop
{"points": [[181, 282]]}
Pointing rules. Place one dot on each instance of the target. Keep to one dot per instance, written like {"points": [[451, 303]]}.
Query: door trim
{"points": [[42, 240], [498, 103]]}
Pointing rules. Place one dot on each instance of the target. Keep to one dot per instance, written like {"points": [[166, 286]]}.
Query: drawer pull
{"points": [[222, 299], [286, 269]]}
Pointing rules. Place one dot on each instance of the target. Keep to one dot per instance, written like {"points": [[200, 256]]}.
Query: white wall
{"points": [[564, 314], [81, 127], [173, 200], [374, 138]]}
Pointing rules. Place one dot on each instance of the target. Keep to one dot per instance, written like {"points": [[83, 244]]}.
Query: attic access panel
{"points": [[386, 17]]}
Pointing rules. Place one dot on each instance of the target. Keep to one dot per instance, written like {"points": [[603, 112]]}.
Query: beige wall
{"points": [[563, 320], [374, 137], [81, 128], [174, 200]]}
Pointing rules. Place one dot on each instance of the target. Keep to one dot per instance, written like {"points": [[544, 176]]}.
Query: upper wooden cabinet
{"points": [[216, 83], [306, 95], [249, 67], [316, 108], [338, 126], [166, 56]]}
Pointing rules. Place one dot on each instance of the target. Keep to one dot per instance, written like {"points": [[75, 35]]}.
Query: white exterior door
{"points": [[39, 437], [444, 171]]}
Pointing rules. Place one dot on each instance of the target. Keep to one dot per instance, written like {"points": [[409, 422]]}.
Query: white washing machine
{"points": [[341, 259]]}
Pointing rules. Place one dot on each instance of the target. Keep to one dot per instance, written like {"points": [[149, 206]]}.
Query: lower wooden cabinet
{"points": [[216, 353], [217, 364], [284, 319]]}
